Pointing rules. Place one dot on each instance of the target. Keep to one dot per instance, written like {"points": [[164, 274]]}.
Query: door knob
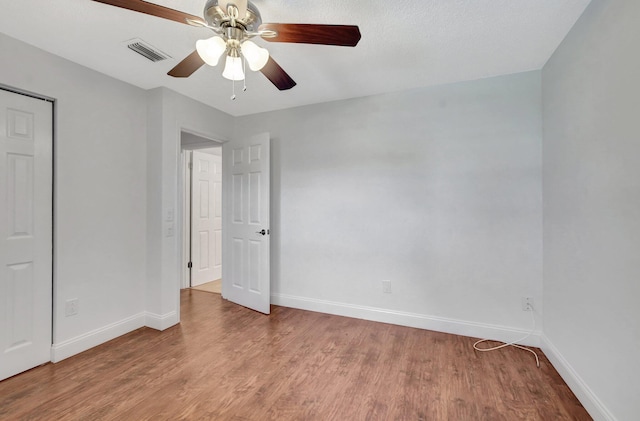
{"points": [[262, 232]]}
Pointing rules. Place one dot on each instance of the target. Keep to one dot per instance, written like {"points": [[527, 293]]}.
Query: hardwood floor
{"points": [[213, 286], [224, 362]]}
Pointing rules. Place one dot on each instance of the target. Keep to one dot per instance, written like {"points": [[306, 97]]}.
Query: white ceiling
{"points": [[405, 44]]}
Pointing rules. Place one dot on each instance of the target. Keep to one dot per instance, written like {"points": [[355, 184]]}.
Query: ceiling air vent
{"points": [[146, 50]]}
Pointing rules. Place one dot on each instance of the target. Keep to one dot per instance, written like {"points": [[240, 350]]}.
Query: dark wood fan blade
{"points": [[187, 66], [344, 35], [277, 76], [152, 9]]}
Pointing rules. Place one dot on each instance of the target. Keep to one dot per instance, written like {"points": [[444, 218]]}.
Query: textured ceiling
{"points": [[405, 44]]}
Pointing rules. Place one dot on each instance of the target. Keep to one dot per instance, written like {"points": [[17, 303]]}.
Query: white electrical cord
{"points": [[514, 344]]}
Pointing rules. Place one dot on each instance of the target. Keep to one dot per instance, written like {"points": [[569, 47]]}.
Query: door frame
{"points": [[184, 234], [54, 114]]}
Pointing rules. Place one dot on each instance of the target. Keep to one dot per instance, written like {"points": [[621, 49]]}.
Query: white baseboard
{"points": [[585, 395], [73, 346], [421, 321], [161, 321]]}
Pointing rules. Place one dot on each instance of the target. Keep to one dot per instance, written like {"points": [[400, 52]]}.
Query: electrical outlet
{"points": [[71, 307], [386, 287], [527, 303]]}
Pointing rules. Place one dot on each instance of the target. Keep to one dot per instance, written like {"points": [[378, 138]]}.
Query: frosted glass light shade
{"points": [[256, 56], [211, 49], [233, 69]]}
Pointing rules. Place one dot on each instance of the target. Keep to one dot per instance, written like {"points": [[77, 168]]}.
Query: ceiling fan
{"points": [[234, 23]]}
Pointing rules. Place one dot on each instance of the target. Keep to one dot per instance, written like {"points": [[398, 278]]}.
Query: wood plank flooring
{"points": [[213, 286], [224, 362]]}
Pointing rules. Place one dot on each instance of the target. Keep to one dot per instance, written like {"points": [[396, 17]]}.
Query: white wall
{"points": [[100, 193], [591, 97], [436, 189]]}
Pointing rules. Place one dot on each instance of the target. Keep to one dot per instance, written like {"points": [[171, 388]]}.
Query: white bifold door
{"points": [[25, 232], [206, 218], [246, 231]]}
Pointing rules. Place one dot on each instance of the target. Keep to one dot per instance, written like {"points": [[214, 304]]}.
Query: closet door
{"points": [[25, 232]]}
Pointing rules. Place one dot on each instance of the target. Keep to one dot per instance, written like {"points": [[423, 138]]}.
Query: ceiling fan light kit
{"points": [[235, 22]]}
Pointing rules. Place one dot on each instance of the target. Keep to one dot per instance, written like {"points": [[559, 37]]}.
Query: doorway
{"points": [[245, 218], [201, 160]]}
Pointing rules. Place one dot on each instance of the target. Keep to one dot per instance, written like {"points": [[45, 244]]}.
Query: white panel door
{"points": [[217, 218], [25, 232], [245, 268], [206, 218]]}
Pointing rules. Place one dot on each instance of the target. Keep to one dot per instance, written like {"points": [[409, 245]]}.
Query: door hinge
{"points": [[190, 265], [190, 165]]}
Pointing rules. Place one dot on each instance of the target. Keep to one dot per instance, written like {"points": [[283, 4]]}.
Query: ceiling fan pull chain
{"points": [[244, 70], [233, 90]]}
